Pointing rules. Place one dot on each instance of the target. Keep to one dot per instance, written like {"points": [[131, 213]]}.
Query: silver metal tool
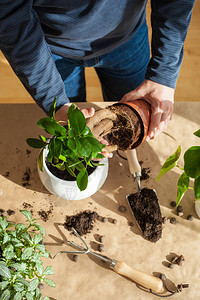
{"points": [[134, 166], [148, 281]]}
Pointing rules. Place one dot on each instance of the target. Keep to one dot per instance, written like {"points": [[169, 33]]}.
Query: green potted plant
{"points": [[21, 268], [67, 157], [191, 170]]}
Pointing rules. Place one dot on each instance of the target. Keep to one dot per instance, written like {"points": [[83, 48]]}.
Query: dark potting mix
{"points": [[81, 222], [146, 210]]}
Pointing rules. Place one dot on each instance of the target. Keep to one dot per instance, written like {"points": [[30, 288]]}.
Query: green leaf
{"points": [[29, 296], [37, 238], [35, 143], [26, 236], [182, 186], [5, 295], [41, 248], [82, 180], [83, 147], [197, 133], [56, 147], [46, 298], [52, 127], [98, 156], [6, 238], [18, 287], [3, 224], [52, 109], [23, 281], [72, 133], [40, 160], [8, 252], [19, 266], [49, 282], [39, 267], [42, 138], [27, 253], [170, 163], [4, 271], [95, 145], [71, 144], [197, 188], [17, 296], [48, 271], [3, 285], [46, 254], [27, 214], [33, 284], [71, 109], [192, 162], [77, 120], [20, 227]]}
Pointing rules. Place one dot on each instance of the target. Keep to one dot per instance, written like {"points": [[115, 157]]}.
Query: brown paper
{"points": [[90, 278]]}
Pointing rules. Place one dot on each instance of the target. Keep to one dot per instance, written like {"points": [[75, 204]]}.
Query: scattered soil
{"points": [[81, 222], [145, 172], [7, 174], [146, 209], [64, 175], [10, 212], [28, 152], [45, 214], [26, 177], [27, 205]]}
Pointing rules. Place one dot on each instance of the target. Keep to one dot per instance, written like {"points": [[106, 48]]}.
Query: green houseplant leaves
{"points": [[71, 147], [191, 169], [21, 269]]}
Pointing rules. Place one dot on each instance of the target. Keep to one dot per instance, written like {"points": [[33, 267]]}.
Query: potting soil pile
{"points": [[146, 209], [82, 222]]}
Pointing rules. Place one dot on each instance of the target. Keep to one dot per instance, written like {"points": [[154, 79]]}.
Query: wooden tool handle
{"points": [[133, 162], [143, 279]]}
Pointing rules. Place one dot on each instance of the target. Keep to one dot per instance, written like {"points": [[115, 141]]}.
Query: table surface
{"points": [[90, 278]]}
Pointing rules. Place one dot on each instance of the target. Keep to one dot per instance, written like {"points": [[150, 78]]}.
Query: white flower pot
{"points": [[68, 189]]}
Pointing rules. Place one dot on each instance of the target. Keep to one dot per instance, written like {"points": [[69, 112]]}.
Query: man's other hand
{"points": [[161, 99]]}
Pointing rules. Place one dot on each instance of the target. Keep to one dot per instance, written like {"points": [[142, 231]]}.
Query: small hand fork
{"points": [[148, 281]]}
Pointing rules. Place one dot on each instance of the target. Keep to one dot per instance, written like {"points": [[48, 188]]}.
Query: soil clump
{"points": [[81, 222], [64, 175], [146, 209], [45, 214]]}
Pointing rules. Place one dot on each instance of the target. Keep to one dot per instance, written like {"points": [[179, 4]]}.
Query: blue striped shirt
{"points": [[30, 30]]}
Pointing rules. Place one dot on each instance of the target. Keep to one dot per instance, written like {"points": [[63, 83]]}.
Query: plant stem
{"points": [[180, 167], [190, 188]]}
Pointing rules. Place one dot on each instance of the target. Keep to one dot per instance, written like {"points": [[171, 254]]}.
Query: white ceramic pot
{"points": [[68, 189]]}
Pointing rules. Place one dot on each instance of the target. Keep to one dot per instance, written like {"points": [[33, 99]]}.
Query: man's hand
{"points": [[161, 99], [61, 114]]}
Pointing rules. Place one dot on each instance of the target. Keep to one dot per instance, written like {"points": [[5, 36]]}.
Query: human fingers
{"points": [[88, 112]]}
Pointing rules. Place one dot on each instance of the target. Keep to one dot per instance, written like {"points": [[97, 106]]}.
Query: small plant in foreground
{"points": [[21, 270], [71, 147], [191, 169]]}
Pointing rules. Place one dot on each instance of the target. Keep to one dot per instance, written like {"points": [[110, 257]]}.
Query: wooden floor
{"points": [[12, 91]]}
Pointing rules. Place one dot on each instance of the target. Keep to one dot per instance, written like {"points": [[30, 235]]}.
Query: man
{"points": [[48, 43]]}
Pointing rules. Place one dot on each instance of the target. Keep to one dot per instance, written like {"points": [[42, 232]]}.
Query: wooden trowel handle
{"points": [[133, 162], [143, 279]]}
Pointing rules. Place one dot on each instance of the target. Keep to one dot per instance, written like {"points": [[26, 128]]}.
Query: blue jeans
{"points": [[120, 71]]}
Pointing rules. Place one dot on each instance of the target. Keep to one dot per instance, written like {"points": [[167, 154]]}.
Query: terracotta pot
{"points": [[143, 110]]}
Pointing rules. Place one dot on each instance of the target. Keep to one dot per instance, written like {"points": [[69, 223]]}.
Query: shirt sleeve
{"points": [[170, 20], [23, 43]]}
